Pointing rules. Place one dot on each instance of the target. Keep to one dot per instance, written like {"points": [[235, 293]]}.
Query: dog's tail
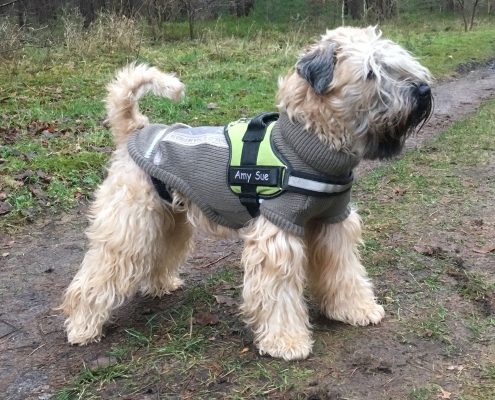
{"points": [[132, 83]]}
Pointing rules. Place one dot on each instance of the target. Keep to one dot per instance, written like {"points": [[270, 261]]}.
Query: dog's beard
{"points": [[388, 140]]}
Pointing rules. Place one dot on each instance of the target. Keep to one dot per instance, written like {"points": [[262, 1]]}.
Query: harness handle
{"points": [[257, 127], [252, 139]]}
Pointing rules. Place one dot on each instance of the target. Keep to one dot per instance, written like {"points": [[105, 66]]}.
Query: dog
{"points": [[351, 96]]}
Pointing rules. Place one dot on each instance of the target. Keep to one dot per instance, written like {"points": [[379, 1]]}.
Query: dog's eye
{"points": [[371, 74]]}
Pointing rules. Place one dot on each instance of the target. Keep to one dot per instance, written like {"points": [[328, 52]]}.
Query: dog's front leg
{"points": [[337, 279], [274, 279]]}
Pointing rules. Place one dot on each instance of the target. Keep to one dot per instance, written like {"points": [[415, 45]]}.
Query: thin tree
{"points": [[468, 25]]}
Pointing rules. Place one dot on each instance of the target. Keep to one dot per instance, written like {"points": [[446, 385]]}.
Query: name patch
{"points": [[254, 176]]}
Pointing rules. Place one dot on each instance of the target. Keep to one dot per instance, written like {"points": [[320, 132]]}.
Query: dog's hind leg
{"points": [[172, 251], [130, 225], [274, 278], [337, 279]]}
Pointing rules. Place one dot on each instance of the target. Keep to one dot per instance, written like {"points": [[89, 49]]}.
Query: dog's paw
{"points": [[84, 338], [287, 347], [372, 315], [359, 316], [159, 289]]}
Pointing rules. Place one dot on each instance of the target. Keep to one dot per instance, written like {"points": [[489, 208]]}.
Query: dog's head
{"points": [[358, 92]]}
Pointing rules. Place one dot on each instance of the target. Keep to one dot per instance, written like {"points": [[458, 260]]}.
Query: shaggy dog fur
{"points": [[358, 93]]}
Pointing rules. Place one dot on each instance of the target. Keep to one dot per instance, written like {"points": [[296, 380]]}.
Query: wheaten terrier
{"points": [[281, 182]]}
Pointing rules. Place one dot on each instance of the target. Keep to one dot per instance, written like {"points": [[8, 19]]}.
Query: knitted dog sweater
{"points": [[194, 161]]}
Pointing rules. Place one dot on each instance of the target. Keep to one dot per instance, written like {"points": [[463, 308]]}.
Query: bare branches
{"points": [[8, 4], [463, 8]]}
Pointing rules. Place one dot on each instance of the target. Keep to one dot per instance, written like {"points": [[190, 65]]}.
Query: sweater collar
{"points": [[312, 151]]}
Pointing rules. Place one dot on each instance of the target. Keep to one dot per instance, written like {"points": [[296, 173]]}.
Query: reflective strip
{"points": [[315, 186], [153, 144]]}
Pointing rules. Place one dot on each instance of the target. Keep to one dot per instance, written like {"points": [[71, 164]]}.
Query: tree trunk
{"points": [[472, 14], [87, 11], [356, 8], [191, 24], [462, 7], [21, 16]]}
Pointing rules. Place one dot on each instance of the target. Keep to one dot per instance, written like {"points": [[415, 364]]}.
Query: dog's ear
{"points": [[317, 67]]}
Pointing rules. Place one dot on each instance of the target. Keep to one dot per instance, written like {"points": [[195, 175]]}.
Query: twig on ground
{"points": [[214, 262]]}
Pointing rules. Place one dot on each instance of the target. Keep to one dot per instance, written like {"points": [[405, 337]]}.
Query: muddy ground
{"points": [[35, 359]]}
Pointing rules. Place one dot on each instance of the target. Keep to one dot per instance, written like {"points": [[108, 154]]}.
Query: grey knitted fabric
{"points": [[195, 161], [306, 153]]}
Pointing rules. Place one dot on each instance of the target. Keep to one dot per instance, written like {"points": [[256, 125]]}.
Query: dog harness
{"points": [[265, 165]]}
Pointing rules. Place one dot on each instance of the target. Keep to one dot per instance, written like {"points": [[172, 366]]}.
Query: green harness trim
{"points": [[257, 170], [252, 159]]}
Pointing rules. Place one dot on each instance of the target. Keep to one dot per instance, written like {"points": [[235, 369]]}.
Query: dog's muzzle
{"points": [[422, 92]]}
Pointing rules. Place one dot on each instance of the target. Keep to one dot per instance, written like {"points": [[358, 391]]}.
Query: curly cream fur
{"points": [[138, 242], [355, 103]]}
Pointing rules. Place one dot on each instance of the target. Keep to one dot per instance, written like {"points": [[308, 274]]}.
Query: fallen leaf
{"points": [[105, 149], [485, 249], [229, 301], [35, 189], [432, 251], [224, 286], [5, 208], [43, 176], [103, 361], [30, 212], [206, 319], [217, 369], [455, 368], [445, 394], [6, 242], [23, 175], [427, 333], [244, 350]]}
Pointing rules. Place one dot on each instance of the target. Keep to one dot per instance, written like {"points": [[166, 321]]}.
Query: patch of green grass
{"points": [[421, 393], [489, 371], [90, 379], [475, 287], [434, 325]]}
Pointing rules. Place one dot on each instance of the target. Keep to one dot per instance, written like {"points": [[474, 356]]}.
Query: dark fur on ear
{"points": [[317, 67]]}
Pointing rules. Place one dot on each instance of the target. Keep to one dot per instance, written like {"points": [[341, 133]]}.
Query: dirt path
{"points": [[35, 359]]}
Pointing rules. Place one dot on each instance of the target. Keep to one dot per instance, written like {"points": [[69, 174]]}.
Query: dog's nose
{"points": [[424, 90]]}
